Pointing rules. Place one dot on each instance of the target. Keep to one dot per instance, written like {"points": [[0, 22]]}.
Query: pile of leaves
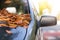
{"points": [[13, 20]]}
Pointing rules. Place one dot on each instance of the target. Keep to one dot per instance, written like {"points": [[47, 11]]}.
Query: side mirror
{"points": [[48, 21]]}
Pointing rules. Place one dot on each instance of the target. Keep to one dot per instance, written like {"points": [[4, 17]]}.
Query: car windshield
{"points": [[14, 13]]}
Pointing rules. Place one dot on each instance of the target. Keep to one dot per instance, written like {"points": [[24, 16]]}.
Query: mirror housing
{"points": [[48, 21]]}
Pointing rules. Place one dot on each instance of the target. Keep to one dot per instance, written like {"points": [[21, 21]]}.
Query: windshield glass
{"points": [[14, 13]]}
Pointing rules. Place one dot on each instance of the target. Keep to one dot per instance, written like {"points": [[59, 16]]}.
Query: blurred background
{"points": [[46, 7]]}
